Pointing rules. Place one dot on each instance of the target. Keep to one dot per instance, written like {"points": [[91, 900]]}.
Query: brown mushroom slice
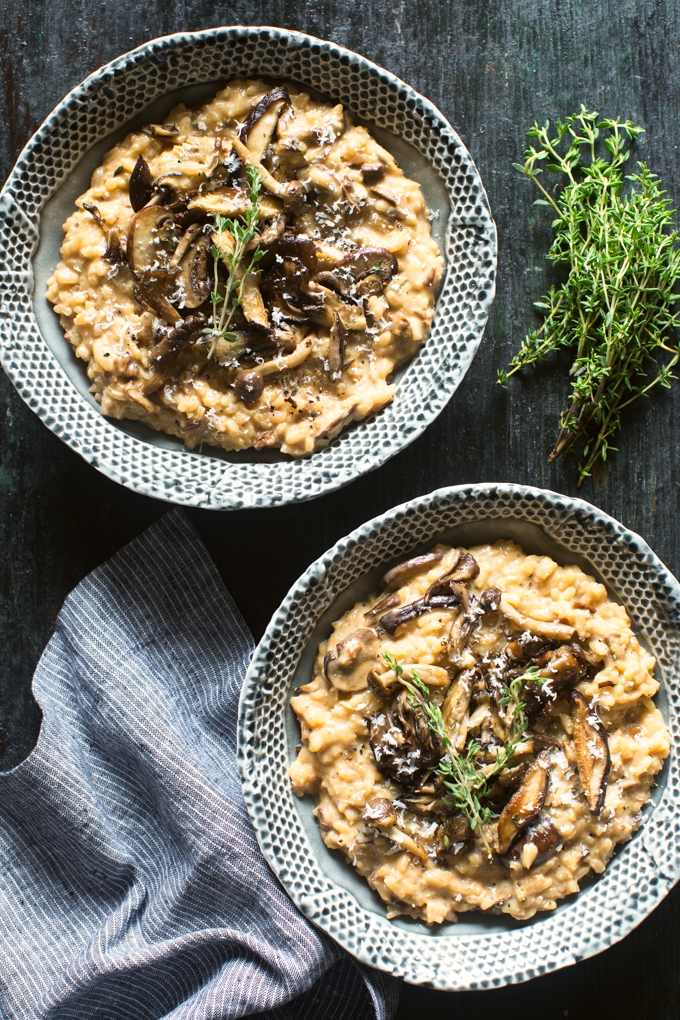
{"points": [[193, 281], [565, 667], [347, 665], [227, 201], [382, 606], [363, 262], [188, 238], [398, 576], [465, 568], [433, 676], [291, 193], [154, 289], [336, 348], [379, 813], [164, 353], [269, 236], [149, 237], [592, 751], [404, 747], [526, 802], [257, 130], [406, 842], [252, 304], [161, 130], [140, 187], [455, 708], [551, 631], [444, 593], [372, 172], [426, 804], [115, 254], [95, 214], [536, 843]]}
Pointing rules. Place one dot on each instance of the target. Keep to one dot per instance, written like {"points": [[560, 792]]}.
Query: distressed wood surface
{"points": [[492, 66]]}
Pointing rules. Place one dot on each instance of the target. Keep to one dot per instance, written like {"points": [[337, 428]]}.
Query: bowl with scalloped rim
{"points": [[143, 86], [480, 951]]}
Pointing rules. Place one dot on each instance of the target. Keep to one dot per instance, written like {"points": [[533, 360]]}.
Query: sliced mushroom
{"points": [[174, 341], [226, 200], [257, 130], [385, 683], [140, 186], [377, 262], [398, 576], [115, 254], [427, 804], [150, 237], [161, 130], [381, 607], [404, 746], [536, 843], [379, 813], [291, 193], [193, 281], [455, 708], [565, 667], [252, 304], [302, 248], [269, 236], [592, 751], [463, 630], [372, 172], [526, 802], [347, 665], [444, 593], [249, 385], [154, 289], [336, 348], [95, 214], [465, 568]]}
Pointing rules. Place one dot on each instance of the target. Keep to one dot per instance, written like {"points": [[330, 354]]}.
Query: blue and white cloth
{"points": [[131, 883]]}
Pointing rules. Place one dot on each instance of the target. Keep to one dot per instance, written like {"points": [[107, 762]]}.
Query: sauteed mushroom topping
{"points": [[140, 186], [592, 751], [380, 813]]}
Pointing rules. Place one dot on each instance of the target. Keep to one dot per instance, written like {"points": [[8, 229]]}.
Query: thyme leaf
{"points": [[616, 309]]}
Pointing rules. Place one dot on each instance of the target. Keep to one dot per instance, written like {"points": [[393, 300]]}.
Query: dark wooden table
{"points": [[491, 66]]}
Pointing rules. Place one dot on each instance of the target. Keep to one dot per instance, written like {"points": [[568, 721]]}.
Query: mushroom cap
{"points": [[347, 666]]}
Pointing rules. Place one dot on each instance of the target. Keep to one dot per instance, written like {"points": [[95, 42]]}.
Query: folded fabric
{"points": [[131, 883]]}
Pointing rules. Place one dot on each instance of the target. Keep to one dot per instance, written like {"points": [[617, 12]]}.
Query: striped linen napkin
{"points": [[131, 883]]}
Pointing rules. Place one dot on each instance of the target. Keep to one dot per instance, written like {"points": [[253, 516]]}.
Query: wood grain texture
{"points": [[492, 66]]}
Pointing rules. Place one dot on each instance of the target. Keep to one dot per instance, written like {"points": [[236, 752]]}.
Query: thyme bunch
{"points": [[233, 238], [616, 308]]}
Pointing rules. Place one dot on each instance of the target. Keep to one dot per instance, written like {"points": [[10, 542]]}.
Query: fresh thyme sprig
{"points": [[467, 783], [233, 237], [615, 310]]}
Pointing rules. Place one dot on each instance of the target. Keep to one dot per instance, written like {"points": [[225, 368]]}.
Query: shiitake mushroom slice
{"points": [[526, 802], [258, 128], [592, 751], [140, 186], [397, 576], [150, 237]]}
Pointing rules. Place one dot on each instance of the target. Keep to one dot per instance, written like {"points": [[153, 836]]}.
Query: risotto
{"points": [[249, 273], [480, 734]]}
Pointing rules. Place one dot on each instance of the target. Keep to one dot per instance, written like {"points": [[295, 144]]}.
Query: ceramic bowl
{"points": [[142, 86], [479, 951]]}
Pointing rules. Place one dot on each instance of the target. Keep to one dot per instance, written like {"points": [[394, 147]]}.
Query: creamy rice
{"points": [[336, 764], [315, 377]]}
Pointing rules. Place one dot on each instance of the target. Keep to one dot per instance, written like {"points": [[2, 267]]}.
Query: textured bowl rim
{"points": [[219, 484], [516, 956]]}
